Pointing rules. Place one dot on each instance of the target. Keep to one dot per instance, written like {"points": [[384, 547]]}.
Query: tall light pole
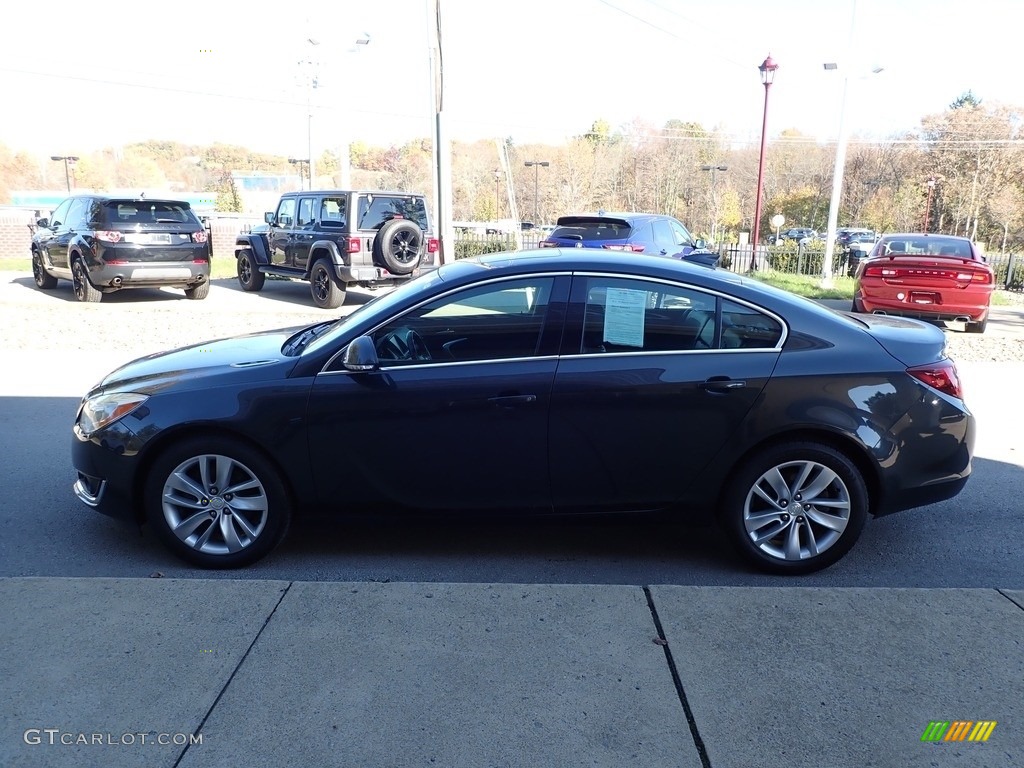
{"points": [[345, 151], [311, 84], [69, 160], [767, 69], [837, 181], [497, 194], [536, 165], [714, 204], [301, 161], [928, 205]]}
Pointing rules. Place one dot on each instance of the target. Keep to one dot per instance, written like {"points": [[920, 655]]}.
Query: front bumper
{"points": [[106, 464]]}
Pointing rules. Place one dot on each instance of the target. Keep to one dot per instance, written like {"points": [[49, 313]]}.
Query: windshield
{"points": [[383, 304]]}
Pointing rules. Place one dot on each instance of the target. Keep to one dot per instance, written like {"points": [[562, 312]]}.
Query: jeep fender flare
{"points": [[255, 243], [321, 248]]}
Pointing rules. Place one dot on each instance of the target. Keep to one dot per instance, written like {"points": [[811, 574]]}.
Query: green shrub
{"points": [[468, 248]]}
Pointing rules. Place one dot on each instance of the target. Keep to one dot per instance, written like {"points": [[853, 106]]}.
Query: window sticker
{"points": [[624, 317]]}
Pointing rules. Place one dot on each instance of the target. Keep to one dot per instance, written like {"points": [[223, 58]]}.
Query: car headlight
{"points": [[101, 410]]}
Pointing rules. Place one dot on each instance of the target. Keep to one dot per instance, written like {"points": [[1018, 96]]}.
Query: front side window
{"points": [[496, 321], [60, 215], [683, 237], [286, 212], [76, 215]]}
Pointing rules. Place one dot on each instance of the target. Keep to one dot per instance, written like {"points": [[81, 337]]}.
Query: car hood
{"points": [[254, 357]]}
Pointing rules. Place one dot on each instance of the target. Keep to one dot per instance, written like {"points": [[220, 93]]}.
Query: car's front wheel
{"points": [[84, 290], [328, 292], [249, 277], [795, 508], [44, 280], [216, 502]]}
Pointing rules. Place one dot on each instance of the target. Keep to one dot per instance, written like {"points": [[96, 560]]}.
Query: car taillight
{"points": [[876, 270], [941, 375], [634, 247], [200, 236], [108, 236], [976, 277], [352, 245], [433, 245]]}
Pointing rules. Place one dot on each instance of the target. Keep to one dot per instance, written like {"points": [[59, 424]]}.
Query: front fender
{"points": [[255, 243]]}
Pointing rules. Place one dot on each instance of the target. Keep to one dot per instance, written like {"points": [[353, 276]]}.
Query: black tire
{"points": [[249, 276], [198, 292], [780, 535], [328, 292], [855, 307], [44, 280], [399, 246], [84, 290], [978, 327], [227, 533]]}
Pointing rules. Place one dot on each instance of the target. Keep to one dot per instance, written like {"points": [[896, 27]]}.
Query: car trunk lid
{"points": [[912, 342]]}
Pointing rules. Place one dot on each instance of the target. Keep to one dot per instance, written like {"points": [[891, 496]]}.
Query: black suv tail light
{"points": [[352, 245]]}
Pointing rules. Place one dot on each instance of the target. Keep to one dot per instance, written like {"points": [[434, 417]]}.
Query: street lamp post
{"points": [[714, 204], [536, 165], [311, 86], [767, 69], [301, 161], [928, 204], [69, 161]]}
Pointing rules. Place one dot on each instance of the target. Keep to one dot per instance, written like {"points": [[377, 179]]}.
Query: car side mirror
{"points": [[43, 223], [700, 243], [268, 217], [361, 355]]}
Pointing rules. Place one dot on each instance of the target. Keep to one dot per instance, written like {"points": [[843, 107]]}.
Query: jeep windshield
{"points": [[375, 210]]}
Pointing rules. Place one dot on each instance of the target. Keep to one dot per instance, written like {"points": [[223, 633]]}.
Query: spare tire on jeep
{"points": [[399, 246]]}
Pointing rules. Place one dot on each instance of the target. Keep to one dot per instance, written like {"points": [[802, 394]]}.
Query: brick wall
{"points": [[15, 236]]}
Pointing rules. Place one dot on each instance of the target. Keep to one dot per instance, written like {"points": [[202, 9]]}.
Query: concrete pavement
{"points": [[155, 672]]}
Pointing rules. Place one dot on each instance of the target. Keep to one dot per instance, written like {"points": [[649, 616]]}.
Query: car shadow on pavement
{"points": [[297, 292]]}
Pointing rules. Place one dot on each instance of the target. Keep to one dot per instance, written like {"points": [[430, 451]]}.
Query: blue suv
{"points": [[648, 233]]}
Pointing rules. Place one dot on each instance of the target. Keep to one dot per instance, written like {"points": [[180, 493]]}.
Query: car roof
{"points": [[934, 235], [615, 215], [375, 192]]}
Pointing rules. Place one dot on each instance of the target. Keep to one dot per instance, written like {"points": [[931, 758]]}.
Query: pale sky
{"points": [[78, 76]]}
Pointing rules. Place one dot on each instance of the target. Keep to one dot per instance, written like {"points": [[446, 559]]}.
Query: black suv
{"points": [[103, 244], [337, 238]]}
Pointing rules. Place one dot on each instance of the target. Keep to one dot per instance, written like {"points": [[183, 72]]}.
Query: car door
{"points": [[57, 236], [651, 385], [304, 233], [456, 420], [281, 233]]}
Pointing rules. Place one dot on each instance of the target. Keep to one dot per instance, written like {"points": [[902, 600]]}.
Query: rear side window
{"points": [[333, 212], [744, 327], [376, 210], [586, 231]]}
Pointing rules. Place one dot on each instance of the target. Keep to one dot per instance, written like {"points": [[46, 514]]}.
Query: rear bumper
{"points": [[924, 303], [174, 274]]}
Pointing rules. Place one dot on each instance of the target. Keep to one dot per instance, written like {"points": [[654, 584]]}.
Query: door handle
{"points": [[723, 384], [509, 401]]}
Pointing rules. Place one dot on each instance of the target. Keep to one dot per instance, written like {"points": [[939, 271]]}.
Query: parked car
{"points": [[856, 247], [795, 234], [106, 244], [337, 238], [930, 276], [565, 381], [633, 232]]}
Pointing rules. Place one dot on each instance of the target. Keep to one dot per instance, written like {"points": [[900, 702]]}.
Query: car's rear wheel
{"points": [[216, 502], [328, 292], [44, 279], [978, 327], [84, 290], [249, 277], [198, 292], [795, 508], [399, 246]]}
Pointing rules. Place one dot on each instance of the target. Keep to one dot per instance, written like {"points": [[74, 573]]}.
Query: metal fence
{"points": [[796, 260]]}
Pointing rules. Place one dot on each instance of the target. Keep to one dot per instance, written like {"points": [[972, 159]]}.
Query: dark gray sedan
{"points": [[555, 381]]}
